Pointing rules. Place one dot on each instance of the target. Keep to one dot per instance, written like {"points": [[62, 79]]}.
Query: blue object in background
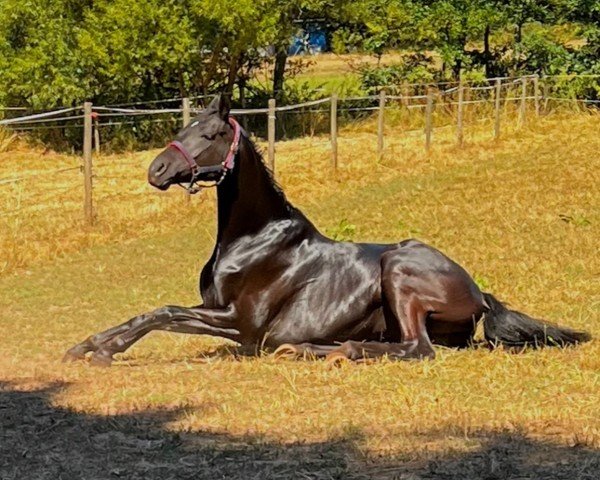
{"points": [[311, 39]]}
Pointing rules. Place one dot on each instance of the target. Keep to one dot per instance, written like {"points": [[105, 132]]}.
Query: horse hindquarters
{"points": [[424, 292]]}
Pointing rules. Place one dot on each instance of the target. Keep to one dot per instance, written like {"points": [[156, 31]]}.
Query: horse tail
{"points": [[515, 329]]}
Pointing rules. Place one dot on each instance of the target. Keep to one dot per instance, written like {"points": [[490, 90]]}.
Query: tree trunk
{"points": [[487, 54], [462, 42], [457, 68], [182, 90], [208, 73], [279, 71], [242, 87], [234, 63]]}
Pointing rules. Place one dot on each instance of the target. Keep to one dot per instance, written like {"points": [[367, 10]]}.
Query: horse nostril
{"points": [[161, 169]]}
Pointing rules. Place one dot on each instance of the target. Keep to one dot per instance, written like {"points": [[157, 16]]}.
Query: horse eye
{"points": [[209, 137]]}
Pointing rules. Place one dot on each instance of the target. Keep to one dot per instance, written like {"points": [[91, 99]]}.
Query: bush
{"points": [[414, 68]]}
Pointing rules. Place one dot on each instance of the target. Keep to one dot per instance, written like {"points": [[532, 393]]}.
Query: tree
{"points": [[38, 57], [111, 51]]}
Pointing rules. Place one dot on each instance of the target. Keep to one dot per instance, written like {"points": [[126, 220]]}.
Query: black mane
{"points": [[257, 155]]}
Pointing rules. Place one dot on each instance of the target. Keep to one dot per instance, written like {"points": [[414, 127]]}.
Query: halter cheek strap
{"points": [[235, 144], [224, 167], [188, 158]]}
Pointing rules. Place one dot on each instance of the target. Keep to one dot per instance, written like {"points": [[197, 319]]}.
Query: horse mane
{"points": [[258, 156]]}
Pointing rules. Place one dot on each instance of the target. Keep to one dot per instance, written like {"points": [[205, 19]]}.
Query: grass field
{"points": [[331, 72], [521, 214]]}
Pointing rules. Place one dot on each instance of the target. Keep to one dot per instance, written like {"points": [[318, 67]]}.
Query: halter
{"points": [[224, 167]]}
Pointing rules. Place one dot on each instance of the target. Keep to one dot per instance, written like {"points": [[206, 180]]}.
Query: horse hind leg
{"points": [[352, 350], [449, 334], [415, 344], [406, 291]]}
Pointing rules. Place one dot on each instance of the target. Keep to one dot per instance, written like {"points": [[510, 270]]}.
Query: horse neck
{"points": [[248, 198]]}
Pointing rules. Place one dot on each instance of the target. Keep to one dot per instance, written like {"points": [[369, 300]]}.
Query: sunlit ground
{"points": [[521, 214]]}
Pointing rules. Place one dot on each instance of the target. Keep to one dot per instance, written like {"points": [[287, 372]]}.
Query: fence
{"points": [[440, 106]]}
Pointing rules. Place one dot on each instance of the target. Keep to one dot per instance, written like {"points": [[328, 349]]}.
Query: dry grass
{"points": [[7, 139], [522, 214], [334, 64]]}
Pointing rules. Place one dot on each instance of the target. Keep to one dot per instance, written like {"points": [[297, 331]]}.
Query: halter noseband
{"points": [[224, 167]]}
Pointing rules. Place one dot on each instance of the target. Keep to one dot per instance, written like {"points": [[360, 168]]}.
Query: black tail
{"points": [[515, 329]]}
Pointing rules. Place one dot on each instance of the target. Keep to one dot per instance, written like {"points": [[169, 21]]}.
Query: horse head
{"points": [[202, 151]]}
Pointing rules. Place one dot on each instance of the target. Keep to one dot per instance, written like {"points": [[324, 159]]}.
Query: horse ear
{"points": [[224, 106], [214, 104]]}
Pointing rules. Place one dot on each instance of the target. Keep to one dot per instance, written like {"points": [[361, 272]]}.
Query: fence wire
{"points": [[407, 109]]}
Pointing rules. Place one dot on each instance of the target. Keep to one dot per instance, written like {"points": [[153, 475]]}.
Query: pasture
{"points": [[521, 214]]}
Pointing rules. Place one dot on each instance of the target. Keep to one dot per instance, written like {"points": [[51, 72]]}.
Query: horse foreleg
{"points": [[195, 320], [307, 350], [93, 342], [353, 350]]}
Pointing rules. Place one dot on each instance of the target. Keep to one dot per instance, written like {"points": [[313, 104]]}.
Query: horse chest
{"points": [[252, 262], [239, 275]]}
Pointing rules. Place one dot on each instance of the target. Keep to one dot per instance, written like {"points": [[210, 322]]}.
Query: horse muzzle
{"points": [[156, 176], [165, 170]]}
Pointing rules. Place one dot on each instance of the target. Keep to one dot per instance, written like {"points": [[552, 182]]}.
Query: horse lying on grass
{"points": [[275, 282]]}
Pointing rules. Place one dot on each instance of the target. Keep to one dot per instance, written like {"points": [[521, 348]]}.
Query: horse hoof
{"points": [[430, 355], [70, 357], [74, 354], [336, 359], [423, 354], [101, 360], [287, 350]]}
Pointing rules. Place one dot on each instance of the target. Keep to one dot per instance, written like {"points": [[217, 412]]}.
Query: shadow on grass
{"points": [[38, 440]]}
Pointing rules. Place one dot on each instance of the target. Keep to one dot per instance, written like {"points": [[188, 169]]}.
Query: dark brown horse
{"points": [[275, 282]]}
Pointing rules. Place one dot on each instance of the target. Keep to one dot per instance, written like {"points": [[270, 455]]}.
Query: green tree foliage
{"points": [[39, 63], [473, 37], [62, 52]]}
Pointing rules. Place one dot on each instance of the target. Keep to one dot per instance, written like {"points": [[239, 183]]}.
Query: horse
{"points": [[275, 283]]}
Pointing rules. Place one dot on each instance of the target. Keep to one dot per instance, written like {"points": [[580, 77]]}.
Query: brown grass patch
{"points": [[521, 214]]}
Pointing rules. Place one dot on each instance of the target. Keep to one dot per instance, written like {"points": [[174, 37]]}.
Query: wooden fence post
{"points": [[467, 112], [88, 207], [536, 94], [96, 133], [271, 134], [405, 95], [545, 94], [523, 108], [460, 113], [334, 130], [186, 117], [497, 104], [185, 107], [380, 125], [428, 119]]}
